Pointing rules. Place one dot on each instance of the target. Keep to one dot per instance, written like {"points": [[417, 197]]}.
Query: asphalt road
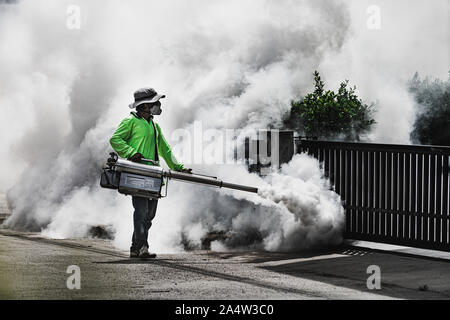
{"points": [[32, 267]]}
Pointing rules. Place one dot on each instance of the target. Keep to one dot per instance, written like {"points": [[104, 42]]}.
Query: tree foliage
{"points": [[326, 114], [432, 123]]}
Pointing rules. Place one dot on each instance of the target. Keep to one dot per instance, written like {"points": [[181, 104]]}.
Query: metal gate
{"points": [[396, 194]]}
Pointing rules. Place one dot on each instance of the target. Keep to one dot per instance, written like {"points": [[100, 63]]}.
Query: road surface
{"points": [[32, 267]]}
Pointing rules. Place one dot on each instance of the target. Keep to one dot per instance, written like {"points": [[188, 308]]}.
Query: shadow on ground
{"points": [[401, 277]]}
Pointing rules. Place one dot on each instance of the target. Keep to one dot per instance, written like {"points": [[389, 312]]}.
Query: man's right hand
{"points": [[136, 157]]}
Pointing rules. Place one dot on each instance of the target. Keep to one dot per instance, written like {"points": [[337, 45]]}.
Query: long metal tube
{"points": [[239, 187], [191, 177]]}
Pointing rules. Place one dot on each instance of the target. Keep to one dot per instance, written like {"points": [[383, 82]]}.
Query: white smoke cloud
{"points": [[413, 36], [229, 64]]}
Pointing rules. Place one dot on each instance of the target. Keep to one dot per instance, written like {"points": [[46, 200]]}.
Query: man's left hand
{"points": [[186, 170]]}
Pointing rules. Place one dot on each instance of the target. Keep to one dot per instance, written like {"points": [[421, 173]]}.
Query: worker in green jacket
{"points": [[139, 137]]}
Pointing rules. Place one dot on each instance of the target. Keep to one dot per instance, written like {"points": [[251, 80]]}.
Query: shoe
{"points": [[144, 254], [134, 253]]}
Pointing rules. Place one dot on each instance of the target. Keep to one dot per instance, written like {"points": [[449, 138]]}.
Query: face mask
{"points": [[156, 109]]}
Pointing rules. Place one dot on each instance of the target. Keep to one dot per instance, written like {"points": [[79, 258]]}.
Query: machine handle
{"points": [[150, 160], [156, 163]]}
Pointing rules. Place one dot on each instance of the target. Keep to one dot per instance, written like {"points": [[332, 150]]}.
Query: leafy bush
{"points": [[326, 114]]}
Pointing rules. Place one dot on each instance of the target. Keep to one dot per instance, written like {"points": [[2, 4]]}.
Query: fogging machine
{"points": [[143, 180]]}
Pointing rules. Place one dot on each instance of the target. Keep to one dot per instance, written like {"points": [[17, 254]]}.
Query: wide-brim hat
{"points": [[145, 95]]}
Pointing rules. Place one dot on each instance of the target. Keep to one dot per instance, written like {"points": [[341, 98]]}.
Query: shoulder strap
{"points": [[156, 143]]}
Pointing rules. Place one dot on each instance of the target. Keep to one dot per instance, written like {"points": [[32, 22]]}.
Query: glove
{"points": [[186, 170], [136, 157]]}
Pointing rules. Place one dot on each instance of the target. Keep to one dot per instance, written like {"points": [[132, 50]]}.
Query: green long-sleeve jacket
{"points": [[135, 134]]}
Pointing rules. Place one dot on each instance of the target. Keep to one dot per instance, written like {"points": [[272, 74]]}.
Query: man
{"points": [[139, 137]]}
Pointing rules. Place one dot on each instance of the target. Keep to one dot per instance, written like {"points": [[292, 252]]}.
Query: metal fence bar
{"points": [[407, 196], [395, 186], [413, 206], [347, 186], [331, 165], [382, 191], [445, 199], [438, 204], [389, 194], [353, 191], [369, 193], [366, 195], [420, 202], [359, 192], [432, 231], [401, 196], [326, 161], [338, 177], [426, 206], [377, 201]]}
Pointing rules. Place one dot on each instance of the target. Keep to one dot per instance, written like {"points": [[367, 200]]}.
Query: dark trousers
{"points": [[144, 212]]}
